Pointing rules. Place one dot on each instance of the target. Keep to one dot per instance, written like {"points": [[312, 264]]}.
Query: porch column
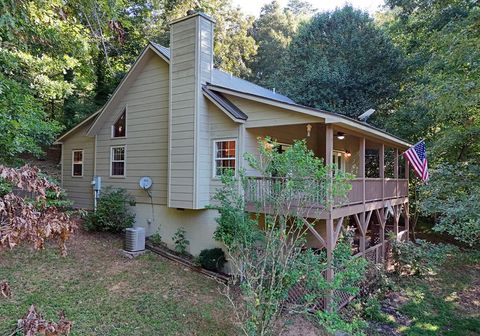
{"points": [[382, 168], [329, 221], [395, 172], [361, 168], [407, 205], [407, 220]]}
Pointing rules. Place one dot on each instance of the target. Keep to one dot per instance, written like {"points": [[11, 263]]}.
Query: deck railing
{"points": [[263, 189]]}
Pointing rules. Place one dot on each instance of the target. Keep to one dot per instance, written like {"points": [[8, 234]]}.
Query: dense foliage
{"points": [[212, 259], [113, 211], [453, 194], [341, 61], [420, 257], [27, 215], [268, 254], [440, 92]]}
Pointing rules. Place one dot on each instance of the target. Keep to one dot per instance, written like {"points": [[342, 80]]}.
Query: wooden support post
{"points": [[395, 172], [363, 233], [381, 221], [329, 221], [382, 169], [330, 246], [396, 218], [361, 169], [407, 220]]}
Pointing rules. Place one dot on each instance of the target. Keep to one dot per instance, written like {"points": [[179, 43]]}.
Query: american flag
{"points": [[417, 156]]}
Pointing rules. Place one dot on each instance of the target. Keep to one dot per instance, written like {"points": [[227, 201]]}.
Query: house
{"points": [[179, 121]]}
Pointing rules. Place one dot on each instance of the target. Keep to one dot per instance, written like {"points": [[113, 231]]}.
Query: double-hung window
{"points": [[117, 161], [77, 163], [225, 154]]}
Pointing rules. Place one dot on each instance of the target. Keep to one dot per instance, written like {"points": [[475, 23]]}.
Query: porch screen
{"points": [[225, 156]]}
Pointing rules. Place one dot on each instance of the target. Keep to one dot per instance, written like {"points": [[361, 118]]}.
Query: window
{"points": [[120, 127], [338, 160], [225, 156], [117, 161], [77, 163]]}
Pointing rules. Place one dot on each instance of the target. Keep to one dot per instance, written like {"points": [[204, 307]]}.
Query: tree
{"points": [[33, 219], [267, 253], [440, 92], [341, 61], [273, 32], [233, 45], [23, 122]]}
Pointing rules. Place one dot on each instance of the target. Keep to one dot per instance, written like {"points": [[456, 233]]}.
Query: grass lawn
{"points": [[447, 303], [104, 293]]}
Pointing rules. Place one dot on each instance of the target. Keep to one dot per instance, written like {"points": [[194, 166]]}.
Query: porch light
{"points": [[309, 129], [340, 135]]}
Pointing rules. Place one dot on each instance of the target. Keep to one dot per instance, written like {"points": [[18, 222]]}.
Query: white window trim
{"points": [[341, 154], [124, 161], [214, 156], [73, 161], [112, 127]]}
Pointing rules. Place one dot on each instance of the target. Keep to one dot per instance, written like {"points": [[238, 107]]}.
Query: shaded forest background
{"points": [[416, 62]]}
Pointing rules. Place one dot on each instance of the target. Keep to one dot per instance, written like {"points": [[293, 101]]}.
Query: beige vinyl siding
{"points": [[146, 100], [79, 189], [182, 119], [261, 115], [191, 65], [207, 113], [220, 127]]}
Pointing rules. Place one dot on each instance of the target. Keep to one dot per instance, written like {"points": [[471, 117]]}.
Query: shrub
{"points": [[420, 257], [35, 217], [156, 239], [180, 241], [113, 212], [212, 259]]}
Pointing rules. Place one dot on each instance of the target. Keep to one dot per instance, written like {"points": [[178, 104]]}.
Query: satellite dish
{"points": [[145, 183], [364, 116]]}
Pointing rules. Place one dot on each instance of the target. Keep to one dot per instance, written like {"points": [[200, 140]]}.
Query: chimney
{"points": [[191, 64]]}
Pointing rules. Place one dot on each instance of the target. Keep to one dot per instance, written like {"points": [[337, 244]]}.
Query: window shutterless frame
{"points": [[121, 121], [77, 163], [118, 158], [224, 158]]}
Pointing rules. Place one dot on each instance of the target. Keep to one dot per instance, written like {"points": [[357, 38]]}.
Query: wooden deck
{"points": [[366, 195]]}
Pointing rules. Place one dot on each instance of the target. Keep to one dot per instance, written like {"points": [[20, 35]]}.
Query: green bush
{"points": [[180, 241], [212, 259], [113, 212], [419, 257]]}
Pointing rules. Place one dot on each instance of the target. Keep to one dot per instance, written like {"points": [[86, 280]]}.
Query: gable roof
{"points": [[80, 124], [223, 82]]}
